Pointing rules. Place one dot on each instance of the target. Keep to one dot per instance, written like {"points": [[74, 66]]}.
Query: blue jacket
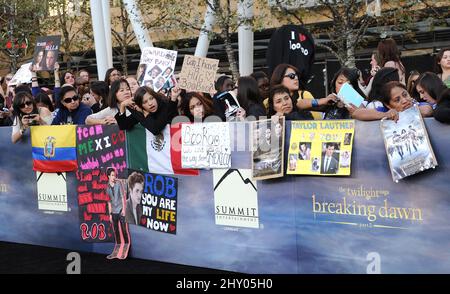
{"points": [[78, 116]]}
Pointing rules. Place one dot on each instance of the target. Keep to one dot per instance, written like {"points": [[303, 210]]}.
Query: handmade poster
{"points": [[22, 76], [407, 144], [205, 145], [268, 148], [52, 191], [95, 223], [322, 147], [101, 146], [152, 201], [53, 148], [156, 67], [46, 53], [159, 154], [101, 155], [349, 95], [198, 74], [235, 198]]}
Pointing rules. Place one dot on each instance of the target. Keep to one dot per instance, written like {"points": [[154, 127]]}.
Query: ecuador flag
{"points": [[54, 148]]}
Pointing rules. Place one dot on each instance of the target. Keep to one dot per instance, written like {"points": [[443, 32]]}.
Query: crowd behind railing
{"points": [[120, 100]]}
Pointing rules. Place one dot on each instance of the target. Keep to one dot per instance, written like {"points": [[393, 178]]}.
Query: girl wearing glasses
{"points": [[71, 111], [287, 75], [27, 113]]}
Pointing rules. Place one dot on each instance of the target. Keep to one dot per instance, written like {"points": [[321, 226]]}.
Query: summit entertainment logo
{"points": [[235, 198]]}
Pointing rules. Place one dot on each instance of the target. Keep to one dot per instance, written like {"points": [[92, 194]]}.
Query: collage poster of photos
{"points": [[156, 68], [321, 147]]}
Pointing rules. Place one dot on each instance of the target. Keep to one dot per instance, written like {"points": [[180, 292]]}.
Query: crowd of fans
{"points": [[120, 100]]}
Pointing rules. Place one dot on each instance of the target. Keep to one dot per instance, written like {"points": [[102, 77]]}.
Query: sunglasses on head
{"points": [[292, 76], [26, 103], [69, 100]]}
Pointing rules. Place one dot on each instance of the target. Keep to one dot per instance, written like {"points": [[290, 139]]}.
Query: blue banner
{"points": [[363, 223]]}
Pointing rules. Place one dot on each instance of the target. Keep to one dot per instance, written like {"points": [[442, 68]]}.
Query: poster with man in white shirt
{"points": [[330, 158]]}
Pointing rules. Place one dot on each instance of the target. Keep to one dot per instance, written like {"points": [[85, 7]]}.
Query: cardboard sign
{"points": [[198, 73]]}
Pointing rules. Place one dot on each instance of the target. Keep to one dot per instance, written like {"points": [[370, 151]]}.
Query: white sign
{"points": [[235, 198], [22, 76], [156, 67], [52, 191], [205, 145]]}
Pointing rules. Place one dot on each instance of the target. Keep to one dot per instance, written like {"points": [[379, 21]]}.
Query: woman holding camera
{"points": [[27, 114]]}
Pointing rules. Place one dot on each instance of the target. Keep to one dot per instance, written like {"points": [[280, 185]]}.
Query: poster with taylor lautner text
{"points": [[322, 147]]}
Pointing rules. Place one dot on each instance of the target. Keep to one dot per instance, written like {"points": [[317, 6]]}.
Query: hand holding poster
{"points": [[152, 201], [198, 74], [205, 145], [156, 67], [268, 148], [46, 53], [407, 145], [321, 147]]}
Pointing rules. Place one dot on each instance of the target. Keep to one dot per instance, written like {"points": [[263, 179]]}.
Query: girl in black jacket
{"points": [[149, 109]]}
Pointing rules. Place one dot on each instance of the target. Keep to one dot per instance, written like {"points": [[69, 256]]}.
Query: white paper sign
{"points": [[205, 145], [156, 67], [22, 76]]}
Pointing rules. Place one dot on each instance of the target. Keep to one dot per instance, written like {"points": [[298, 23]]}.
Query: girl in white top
{"points": [[27, 114], [119, 92]]}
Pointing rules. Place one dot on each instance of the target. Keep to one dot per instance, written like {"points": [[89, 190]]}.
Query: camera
{"points": [[32, 118]]}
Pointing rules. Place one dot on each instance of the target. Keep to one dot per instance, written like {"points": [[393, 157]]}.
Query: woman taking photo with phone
{"points": [[26, 114]]}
